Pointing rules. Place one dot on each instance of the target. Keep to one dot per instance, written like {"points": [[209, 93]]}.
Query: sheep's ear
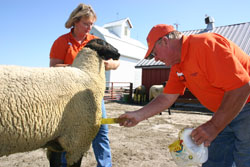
{"points": [[104, 49]]}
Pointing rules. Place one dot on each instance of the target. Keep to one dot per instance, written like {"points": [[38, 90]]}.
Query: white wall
{"points": [[132, 51], [138, 77], [116, 30], [126, 72]]}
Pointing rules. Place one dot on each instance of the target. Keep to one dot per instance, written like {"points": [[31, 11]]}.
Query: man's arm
{"points": [[157, 105], [232, 103]]}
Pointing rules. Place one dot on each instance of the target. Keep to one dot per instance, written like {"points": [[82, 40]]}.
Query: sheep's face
{"points": [[104, 49]]}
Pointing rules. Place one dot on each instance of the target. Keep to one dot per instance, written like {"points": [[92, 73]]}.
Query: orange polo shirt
{"points": [[210, 65], [66, 47]]}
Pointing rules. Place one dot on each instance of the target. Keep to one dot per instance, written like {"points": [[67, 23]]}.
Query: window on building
{"points": [[126, 31]]}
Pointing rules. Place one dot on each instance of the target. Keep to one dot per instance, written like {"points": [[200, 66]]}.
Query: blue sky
{"points": [[29, 28]]}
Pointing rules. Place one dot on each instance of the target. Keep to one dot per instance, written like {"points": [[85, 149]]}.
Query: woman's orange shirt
{"points": [[66, 47]]}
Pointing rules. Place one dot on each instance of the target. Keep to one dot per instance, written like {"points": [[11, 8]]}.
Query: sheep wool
{"points": [[154, 91], [62, 104]]}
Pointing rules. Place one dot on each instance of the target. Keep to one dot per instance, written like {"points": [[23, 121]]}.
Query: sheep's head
{"points": [[104, 49]]}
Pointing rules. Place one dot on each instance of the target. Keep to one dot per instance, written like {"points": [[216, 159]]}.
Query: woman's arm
{"points": [[57, 63]]}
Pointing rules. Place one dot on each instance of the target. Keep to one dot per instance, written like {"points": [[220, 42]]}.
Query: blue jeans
{"points": [[100, 145], [232, 145]]}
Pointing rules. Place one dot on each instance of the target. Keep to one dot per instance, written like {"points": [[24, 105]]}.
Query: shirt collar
{"points": [[183, 52], [184, 47], [88, 36]]}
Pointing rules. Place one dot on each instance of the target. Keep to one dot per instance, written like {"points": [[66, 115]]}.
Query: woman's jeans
{"points": [[101, 144], [232, 145]]}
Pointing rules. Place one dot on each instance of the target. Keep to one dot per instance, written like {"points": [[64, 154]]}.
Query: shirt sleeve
{"points": [[174, 84], [59, 49]]}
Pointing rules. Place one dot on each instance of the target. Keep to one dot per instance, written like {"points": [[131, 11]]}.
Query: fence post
{"points": [[112, 90], [130, 92]]}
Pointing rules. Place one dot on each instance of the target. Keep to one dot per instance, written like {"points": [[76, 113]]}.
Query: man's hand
{"points": [[130, 119], [232, 103], [205, 133]]}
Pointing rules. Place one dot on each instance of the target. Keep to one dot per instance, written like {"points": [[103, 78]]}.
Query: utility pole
{"points": [[176, 26]]}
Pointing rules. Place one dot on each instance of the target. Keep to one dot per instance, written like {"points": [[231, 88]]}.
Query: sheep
{"points": [[56, 108], [140, 94], [156, 90]]}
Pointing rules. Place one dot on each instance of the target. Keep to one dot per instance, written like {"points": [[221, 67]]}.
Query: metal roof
{"points": [[238, 33]]}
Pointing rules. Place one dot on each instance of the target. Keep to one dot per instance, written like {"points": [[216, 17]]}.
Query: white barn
{"points": [[118, 34]]}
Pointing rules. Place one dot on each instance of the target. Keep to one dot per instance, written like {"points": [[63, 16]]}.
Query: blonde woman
{"points": [[63, 52]]}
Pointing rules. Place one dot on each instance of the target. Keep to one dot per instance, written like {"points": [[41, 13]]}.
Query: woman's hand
{"points": [[111, 64]]}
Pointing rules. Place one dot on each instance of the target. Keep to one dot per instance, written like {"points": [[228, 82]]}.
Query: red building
{"points": [[154, 76]]}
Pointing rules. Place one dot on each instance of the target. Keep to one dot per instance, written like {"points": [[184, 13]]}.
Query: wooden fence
{"points": [[116, 91]]}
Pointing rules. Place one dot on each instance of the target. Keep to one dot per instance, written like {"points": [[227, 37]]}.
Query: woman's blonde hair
{"points": [[82, 10]]}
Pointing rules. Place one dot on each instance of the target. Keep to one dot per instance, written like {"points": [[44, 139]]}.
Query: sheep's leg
{"points": [[54, 145], [75, 149], [77, 164], [71, 158], [169, 112], [54, 158]]}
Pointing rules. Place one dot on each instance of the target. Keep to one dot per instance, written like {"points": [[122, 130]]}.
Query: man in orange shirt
{"points": [[217, 72]]}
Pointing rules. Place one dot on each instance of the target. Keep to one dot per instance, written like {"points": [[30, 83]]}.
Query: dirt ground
{"points": [[145, 145]]}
